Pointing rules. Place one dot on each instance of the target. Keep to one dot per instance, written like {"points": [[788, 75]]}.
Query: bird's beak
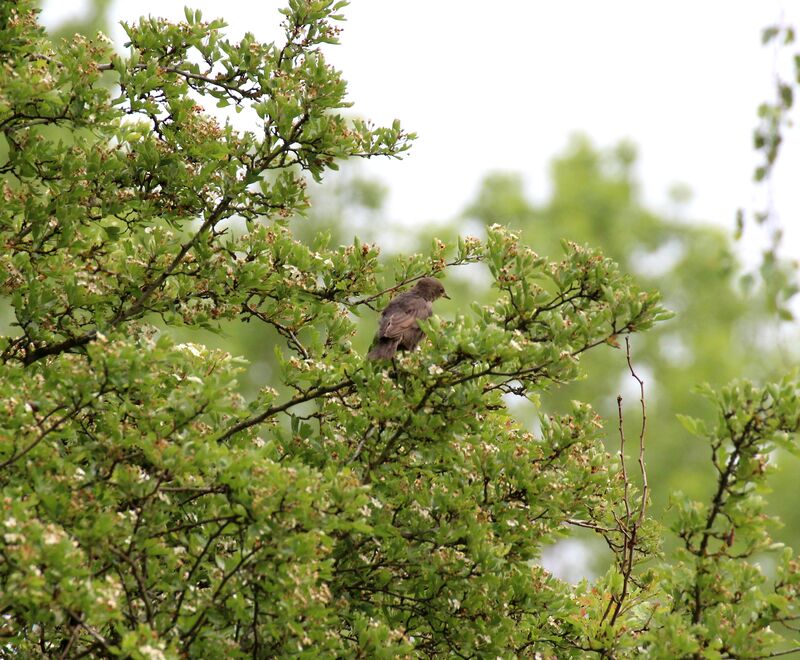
{"points": [[444, 295]]}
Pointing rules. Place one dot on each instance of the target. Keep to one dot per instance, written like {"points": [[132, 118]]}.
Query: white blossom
{"points": [[194, 349], [152, 652]]}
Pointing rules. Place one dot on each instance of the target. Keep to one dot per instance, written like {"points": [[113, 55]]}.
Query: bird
{"points": [[398, 328]]}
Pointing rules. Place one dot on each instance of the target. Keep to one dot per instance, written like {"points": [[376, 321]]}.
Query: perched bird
{"points": [[398, 328]]}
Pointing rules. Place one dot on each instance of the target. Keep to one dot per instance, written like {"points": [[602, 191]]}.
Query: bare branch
{"points": [[628, 526], [642, 468]]}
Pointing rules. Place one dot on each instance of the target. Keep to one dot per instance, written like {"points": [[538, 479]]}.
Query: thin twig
{"points": [[274, 410], [775, 654], [625, 479], [409, 280], [628, 526], [588, 525], [642, 468]]}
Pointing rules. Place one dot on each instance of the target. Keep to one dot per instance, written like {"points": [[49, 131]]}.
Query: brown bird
{"points": [[398, 328]]}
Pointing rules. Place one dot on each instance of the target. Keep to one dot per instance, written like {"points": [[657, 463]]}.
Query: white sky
{"points": [[502, 85]]}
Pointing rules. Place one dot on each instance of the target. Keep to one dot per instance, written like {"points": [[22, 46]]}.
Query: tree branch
{"points": [[274, 410], [138, 304]]}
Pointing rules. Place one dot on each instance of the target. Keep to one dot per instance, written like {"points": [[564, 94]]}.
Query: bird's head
{"points": [[430, 288]]}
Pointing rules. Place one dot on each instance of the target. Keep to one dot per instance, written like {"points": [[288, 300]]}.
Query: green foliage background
{"points": [[158, 500]]}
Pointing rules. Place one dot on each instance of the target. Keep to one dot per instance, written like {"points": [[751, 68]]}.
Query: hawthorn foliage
{"points": [[364, 509]]}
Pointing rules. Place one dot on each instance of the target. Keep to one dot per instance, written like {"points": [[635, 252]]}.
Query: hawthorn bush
{"points": [[360, 509]]}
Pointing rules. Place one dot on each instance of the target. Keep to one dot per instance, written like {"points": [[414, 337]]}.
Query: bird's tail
{"points": [[384, 349]]}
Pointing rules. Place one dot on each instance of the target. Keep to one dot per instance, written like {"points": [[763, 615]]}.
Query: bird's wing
{"points": [[401, 315]]}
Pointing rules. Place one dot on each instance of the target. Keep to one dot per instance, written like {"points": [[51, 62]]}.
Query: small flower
{"points": [[194, 349], [152, 652], [52, 536]]}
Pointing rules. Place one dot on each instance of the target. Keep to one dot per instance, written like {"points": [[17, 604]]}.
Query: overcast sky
{"points": [[502, 85]]}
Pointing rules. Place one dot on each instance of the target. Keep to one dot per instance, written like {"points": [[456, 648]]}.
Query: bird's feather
{"points": [[401, 316], [398, 328]]}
